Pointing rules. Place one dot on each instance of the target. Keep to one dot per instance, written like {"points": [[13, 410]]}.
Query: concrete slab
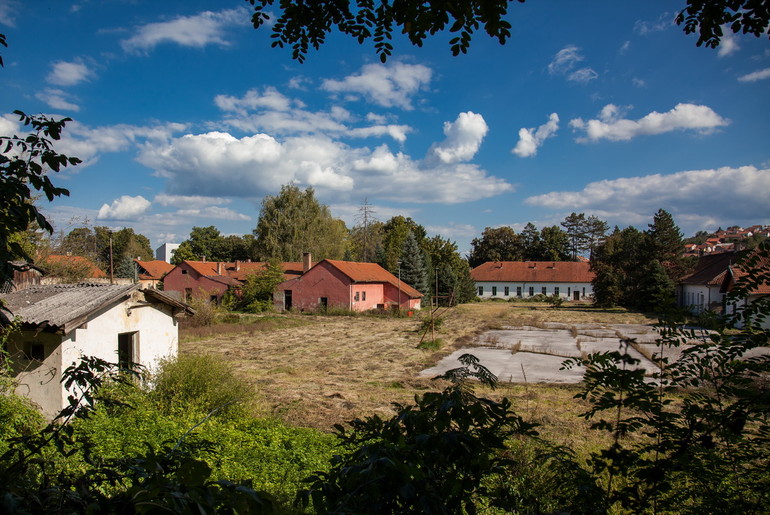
{"points": [[516, 368]]}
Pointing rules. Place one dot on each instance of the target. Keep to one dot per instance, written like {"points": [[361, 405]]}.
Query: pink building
{"points": [[345, 284], [211, 279]]}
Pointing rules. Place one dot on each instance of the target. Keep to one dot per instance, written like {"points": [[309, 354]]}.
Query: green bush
{"points": [[200, 383]]}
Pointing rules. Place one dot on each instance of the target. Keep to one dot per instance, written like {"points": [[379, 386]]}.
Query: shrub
{"points": [[202, 383], [206, 313], [431, 344]]}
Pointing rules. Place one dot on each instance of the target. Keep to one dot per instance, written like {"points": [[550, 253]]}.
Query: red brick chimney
{"points": [[219, 268], [307, 262]]}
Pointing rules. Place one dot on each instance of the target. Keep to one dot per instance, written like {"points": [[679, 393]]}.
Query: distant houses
{"points": [[210, 280], [570, 280], [731, 239]]}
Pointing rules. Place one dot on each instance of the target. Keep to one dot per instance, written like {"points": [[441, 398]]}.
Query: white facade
{"points": [[699, 298], [147, 333], [524, 290], [166, 251]]}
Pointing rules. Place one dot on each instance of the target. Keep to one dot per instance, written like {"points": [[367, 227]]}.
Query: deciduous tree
{"points": [[294, 222], [495, 244]]}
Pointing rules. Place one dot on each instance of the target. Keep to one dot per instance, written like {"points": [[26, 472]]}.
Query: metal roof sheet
{"points": [[59, 304]]}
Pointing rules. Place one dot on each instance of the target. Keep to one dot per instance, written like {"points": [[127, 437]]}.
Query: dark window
{"points": [[213, 299], [531, 291], [481, 291], [184, 272], [34, 351], [188, 294], [127, 347], [494, 290], [544, 290], [363, 295], [556, 290], [518, 291], [507, 291]]}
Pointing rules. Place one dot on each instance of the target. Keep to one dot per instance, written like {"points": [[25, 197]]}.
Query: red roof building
{"points": [[210, 280], [570, 280], [347, 285], [151, 273]]}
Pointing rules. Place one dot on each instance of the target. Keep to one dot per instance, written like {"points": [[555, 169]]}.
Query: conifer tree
{"points": [[413, 264]]}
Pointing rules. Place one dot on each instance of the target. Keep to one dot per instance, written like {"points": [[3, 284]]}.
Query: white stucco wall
{"points": [[566, 290], [158, 337], [699, 298]]}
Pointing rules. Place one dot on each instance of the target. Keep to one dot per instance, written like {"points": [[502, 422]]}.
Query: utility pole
{"points": [[112, 277], [365, 219], [399, 286]]}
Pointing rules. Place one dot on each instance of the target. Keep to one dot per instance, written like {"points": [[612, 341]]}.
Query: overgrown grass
{"points": [[233, 324]]}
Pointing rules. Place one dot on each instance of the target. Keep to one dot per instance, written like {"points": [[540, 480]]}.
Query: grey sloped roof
{"points": [[60, 306]]}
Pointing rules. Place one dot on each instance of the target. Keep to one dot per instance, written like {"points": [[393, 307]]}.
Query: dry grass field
{"points": [[317, 371]]}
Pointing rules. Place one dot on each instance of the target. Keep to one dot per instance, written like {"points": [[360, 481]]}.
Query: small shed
{"points": [[59, 324]]}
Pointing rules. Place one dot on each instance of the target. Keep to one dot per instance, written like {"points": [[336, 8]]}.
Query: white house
{"points": [[699, 291], [58, 324], [569, 280]]}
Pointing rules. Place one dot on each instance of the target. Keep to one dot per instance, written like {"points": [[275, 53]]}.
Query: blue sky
{"points": [[184, 116]]}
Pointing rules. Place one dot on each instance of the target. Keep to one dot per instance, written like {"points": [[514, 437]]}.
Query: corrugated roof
{"points": [[154, 269], [533, 272], [371, 273], [58, 305]]}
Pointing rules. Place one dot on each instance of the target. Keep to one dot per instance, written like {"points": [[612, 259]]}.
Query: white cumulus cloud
{"points": [[728, 43], [188, 201], [124, 208], [387, 85], [65, 73], [197, 31], [463, 138], [755, 76], [57, 99], [270, 99], [565, 62], [219, 164], [685, 194], [611, 126], [531, 139]]}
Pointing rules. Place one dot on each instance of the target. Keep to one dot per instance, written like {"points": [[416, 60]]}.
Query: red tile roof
{"points": [[371, 273], [739, 273], [710, 269], [154, 269], [533, 272], [239, 270]]}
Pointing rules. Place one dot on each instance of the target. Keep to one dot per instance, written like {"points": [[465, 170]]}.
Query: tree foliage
{"points": [[209, 244], [294, 222], [258, 288], [495, 244], [25, 163], [305, 25], [430, 457], [412, 268]]}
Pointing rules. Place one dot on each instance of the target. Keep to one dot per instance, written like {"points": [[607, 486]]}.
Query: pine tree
{"points": [[665, 244], [413, 264]]}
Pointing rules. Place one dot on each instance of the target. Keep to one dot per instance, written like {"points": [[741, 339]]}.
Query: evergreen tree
{"points": [[665, 244], [395, 233], [413, 265], [575, 227], [530, 243]]}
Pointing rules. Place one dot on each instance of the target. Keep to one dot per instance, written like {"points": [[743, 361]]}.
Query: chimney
{"points": [[307, 261], [237, 265], [219, 268]]}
